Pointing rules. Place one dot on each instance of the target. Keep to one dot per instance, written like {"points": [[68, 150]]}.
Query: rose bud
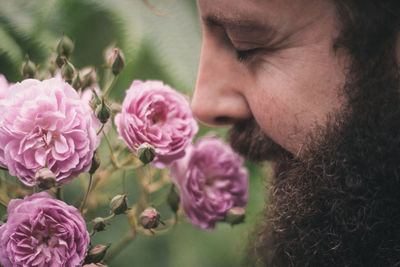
{"points": [[77, 82], [45, 178], [146, 153], [97, 253], [98, 224], [116, 60], [28, 69], [119, 204], [235, 215], [173, 199], [149, 218], [103, 111], [95, 101], [95, 163], [60, 60], [89, 76], [68, 71], [65, 47]]}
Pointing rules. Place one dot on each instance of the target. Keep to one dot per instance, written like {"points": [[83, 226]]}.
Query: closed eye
{"points": [[244, 55]]}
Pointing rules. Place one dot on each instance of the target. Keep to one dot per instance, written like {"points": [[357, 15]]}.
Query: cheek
{"points": [[289, 104], [279, 119]]}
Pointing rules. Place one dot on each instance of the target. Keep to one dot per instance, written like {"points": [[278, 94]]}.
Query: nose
{"points": [[219, 98]]}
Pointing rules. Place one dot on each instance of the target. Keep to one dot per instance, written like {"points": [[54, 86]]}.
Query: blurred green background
{"points": [[160, 43]]}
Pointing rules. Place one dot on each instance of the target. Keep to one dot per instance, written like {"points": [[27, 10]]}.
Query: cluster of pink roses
{"points": [[47, 124], [44, 124], [211, 177]]}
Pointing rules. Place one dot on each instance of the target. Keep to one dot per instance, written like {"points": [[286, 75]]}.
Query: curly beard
{"points": [[339, 204]]}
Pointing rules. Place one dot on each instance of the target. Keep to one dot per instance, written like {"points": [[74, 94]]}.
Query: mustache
{"points": [[249, 140]]}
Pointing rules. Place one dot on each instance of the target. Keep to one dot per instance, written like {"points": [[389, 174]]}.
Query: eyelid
{"points": [[245, 55]]}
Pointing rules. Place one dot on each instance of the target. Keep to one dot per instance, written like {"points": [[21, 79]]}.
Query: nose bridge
{"points": [[218, 98]]}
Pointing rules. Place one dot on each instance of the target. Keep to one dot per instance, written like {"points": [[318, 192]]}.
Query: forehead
{"points": [[279, 13]]}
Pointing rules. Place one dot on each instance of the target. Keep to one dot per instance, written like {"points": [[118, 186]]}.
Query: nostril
{"points": [[223, 120]]}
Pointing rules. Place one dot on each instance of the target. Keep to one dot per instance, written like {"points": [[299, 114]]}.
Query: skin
{"points": [[272, 60]]}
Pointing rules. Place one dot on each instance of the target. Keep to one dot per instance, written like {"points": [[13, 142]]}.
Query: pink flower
{"points": [[46, 124], [212, 180], [153, 112], [3, 86], [42, 231]]}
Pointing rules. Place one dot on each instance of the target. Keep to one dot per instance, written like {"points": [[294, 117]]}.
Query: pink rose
{"points": [[212, 180], [46, 124], [153, 112], [42, 231]]}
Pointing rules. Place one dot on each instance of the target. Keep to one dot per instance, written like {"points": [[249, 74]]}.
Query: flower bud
{"points": [[77, 82], [68, 71], [116, 60], [45, 178], [149, 218], [119, 204], [235, 215], [95, 101], [173, 199], [88, 76], [95, 163], [99, 224], [97, 253], [65, 47], [60, 60], [28, 69], [146, 153], [103, 111]]}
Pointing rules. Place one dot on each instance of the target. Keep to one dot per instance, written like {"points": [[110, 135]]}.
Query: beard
{"points": [[339, 204], [247, 138]]}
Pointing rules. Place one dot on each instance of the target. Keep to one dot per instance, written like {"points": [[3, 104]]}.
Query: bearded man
{"points": [[313, 86]]}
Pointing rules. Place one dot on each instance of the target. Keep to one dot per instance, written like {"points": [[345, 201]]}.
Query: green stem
{"points": [[109, 217], [134, 167], [59, 194], [123, 182], [83, 204], [168, 229], [110, 86], [101, 129], [2, 203], [113, 159], [120, 246]]}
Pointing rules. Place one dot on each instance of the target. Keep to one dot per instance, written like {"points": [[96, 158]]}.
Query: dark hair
{"points": [[369, 33]]}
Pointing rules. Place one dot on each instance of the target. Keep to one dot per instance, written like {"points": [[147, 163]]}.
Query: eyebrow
{"points": [[246, 24], [214, 20]]}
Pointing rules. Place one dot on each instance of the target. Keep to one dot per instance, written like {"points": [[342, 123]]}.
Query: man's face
{"points": [[271, 60], [328, 117]]}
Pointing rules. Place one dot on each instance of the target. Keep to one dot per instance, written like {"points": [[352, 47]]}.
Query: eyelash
{"points": [[245, 55]]}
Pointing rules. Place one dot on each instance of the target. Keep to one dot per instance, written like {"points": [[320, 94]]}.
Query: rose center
{"points": [[46, 239], [158, 113]]}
